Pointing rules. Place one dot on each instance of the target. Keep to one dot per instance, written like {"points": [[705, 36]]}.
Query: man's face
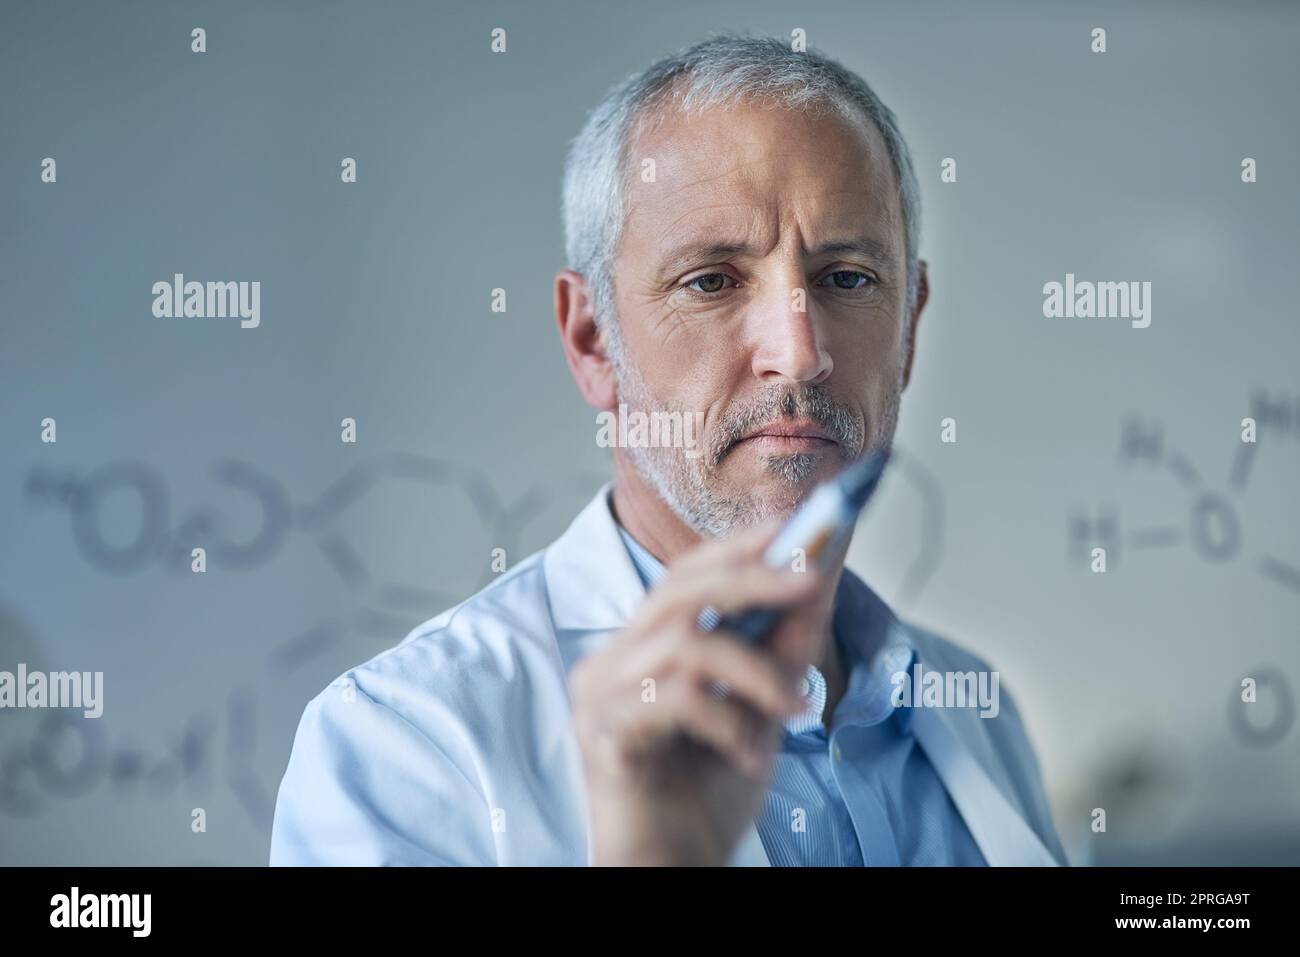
{"points": [[761, 280]]}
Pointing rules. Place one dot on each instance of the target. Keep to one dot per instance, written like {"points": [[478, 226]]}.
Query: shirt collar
{"points": [[876, 647]]}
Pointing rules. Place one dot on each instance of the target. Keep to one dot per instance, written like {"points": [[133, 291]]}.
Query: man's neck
{"points": [[653, 523], [647, 517]]}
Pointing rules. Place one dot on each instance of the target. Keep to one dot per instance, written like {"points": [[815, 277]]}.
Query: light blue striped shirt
{"points": [[864, 794]]}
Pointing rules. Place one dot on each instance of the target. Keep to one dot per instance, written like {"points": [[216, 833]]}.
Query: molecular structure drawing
{"points": [[1213, 530]]}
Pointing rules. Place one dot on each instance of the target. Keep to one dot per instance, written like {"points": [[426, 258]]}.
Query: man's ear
{"points": [[584, 343], [922, 296]]}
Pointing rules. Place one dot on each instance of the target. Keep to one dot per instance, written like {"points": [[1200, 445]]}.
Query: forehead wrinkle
{"points": [[868, 191], [705, 207], [859, 157], [741, 166], [690, 151], [704, 181]]}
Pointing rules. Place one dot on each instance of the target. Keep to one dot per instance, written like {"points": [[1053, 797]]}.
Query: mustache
{"points": [[812, 402]]}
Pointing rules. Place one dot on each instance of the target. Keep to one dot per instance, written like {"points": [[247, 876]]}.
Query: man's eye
{"points": [[710, 282], [848, 279]]}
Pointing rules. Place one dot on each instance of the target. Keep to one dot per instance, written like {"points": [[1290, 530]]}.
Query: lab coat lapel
{"points": [[1003, 835], [591, 582], [593, 589]]}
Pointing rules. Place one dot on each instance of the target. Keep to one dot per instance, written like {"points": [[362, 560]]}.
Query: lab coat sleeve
{"points": [[364, 786]]}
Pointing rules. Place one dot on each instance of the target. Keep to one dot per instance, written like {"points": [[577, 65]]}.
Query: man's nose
{"points": [[787, 341]]}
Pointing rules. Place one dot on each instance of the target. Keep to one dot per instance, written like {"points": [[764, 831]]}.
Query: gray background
{"points": [[375, 304]]}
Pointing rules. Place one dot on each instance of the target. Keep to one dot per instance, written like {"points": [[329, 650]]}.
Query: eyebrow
{"points": [[686, 254]]}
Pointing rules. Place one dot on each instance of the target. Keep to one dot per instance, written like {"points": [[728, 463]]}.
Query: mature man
{"points": [[742, 225]]}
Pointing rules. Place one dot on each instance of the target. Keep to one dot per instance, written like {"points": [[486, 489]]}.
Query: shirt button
{"points": [[835, 752]]}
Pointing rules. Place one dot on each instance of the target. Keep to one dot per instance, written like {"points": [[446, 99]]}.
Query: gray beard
{"points": [[689, 486]]}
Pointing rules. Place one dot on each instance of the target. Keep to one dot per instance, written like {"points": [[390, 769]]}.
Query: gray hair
{"points": [[719, 71]]}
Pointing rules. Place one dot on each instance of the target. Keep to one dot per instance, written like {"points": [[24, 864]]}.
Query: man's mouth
{"points": [[788, 435]]}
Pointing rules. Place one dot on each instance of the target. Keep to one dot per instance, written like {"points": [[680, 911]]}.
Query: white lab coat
{"points": [[456, 747]]}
